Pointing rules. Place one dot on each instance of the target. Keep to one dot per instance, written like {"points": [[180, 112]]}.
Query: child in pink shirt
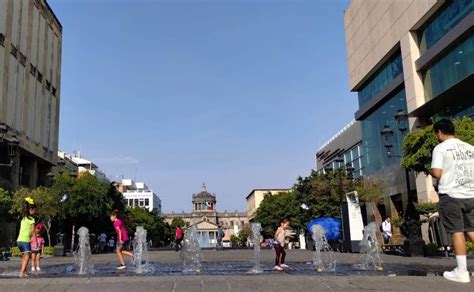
{"points": [[37, 246], [123, 241]]}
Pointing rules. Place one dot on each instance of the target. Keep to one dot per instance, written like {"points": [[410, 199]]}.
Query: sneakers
{"points": [[457, 277], [38, 269], [284, 266], [121, 267], [33, 269], [278, 268]]}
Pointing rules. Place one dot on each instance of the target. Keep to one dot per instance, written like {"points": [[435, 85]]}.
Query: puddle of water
{"points": [[156, 269]]}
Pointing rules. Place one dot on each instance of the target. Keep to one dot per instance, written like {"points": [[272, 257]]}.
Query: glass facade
{"points": [[374, 152], [353, 157], [454, 66], [389, 71], [451, 14]]}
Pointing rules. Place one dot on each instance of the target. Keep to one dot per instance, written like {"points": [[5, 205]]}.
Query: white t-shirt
{"points": [[387, 228], [456, 159]]}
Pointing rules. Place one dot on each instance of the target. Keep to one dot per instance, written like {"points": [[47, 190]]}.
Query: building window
{"points": [[141, 202], [32, 70], [453, 67], [147, 202], [40, 77], [380, 79], [242, 223], [2, 40], [22, 59], [232, 223], [445, 20], [14, 51], [135, 202], [48, 85], [374, 152]]}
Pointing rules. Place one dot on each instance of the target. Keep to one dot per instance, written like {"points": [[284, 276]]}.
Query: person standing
{"points": [[387, 230], [178, 238], [220, 236], [37, 248], [111, 244], [103, 242], [279, 245], [453, 167], [27, 233]]}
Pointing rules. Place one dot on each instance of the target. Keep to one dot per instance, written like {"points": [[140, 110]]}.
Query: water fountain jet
{"points": [[83, 254], [256, 238], [323, 259]]}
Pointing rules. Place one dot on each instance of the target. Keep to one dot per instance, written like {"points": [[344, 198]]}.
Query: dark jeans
{"points": [[280, 254], [178, 244], [386, 239]]}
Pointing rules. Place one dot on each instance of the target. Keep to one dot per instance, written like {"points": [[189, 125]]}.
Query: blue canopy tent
{"points": [[330, 224]]}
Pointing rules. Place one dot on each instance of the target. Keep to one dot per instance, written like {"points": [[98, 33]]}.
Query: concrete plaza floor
{"points": [[267, 282]]}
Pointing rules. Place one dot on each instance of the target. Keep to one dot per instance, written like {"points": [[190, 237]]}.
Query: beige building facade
{"points": [[30, 86], [410, 61], [255, 198], [207, 219]]}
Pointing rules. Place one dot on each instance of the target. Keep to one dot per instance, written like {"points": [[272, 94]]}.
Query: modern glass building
{"points": [[410, 62]]}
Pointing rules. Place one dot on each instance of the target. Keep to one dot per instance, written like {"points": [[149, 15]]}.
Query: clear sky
{"points": [[237, 94]]}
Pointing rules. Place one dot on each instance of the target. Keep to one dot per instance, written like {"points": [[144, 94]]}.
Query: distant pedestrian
{"points": [[178, 238], [279, 245], [123, 241], [387, 230], [453, 166], [103, 242], [27, 233], [37, 247], [111, 244], [220, 236]]}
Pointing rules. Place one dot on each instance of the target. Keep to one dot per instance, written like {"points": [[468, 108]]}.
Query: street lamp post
{"points": [[414, 243], [59, 249]]}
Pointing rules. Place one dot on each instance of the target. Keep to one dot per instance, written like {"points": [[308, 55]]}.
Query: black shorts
{"points": [[457, 215]]}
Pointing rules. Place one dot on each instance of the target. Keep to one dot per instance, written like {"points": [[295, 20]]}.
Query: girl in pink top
{"points": [[123, 241], [37, 246]]}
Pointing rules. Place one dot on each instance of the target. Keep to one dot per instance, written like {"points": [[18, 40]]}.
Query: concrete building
{"points": [[343, 150], [30, 89], [79, 164], [137, 194], [410, 59], [206, 218], [255, 198]]}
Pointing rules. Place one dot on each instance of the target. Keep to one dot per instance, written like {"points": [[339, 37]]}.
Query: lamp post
{"points": [[59, 249], [414, 243]]}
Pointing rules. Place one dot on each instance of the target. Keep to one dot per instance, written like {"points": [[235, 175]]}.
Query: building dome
{"points": [[204, 201]]}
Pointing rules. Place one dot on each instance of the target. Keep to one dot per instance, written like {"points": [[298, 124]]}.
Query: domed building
{"points": [[206, 218]]}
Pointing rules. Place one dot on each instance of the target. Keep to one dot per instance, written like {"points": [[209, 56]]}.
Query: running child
{"points": [[123, 241], [37, 247], [279, 245], [27, 233]]}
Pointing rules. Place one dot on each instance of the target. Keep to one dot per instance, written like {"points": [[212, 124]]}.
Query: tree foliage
{"points": [[178, 221], [323, 194], [5, 201], [418, 145], [88, 199], [158, 230]]}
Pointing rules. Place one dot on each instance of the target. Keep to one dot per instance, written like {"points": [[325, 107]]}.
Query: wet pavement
{"points": [[228, 271]]}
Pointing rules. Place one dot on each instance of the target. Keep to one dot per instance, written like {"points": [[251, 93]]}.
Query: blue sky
{"points": [[237, 94]]}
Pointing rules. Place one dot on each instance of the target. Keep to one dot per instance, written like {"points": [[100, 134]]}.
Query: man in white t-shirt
{"points": [[453, 166]]}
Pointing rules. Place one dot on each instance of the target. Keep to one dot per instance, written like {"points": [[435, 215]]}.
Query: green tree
{"points": [[178, 221], [158, 230], [274, 208], [87, 201], [418, 145], [371, 193], [245, 233], [5, 201]]}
